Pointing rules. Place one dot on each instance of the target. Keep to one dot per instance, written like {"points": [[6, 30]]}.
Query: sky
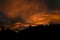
{"points": [[5, 4], [53, 4]]}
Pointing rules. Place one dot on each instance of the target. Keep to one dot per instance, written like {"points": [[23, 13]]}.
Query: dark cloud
{"points": [[53, 4], [2, 18]]}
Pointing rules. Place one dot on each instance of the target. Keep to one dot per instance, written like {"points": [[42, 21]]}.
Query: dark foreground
{"points": [[27, 32]]}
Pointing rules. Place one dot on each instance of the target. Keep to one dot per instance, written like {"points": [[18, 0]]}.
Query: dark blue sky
{"points": [[53, 4]]}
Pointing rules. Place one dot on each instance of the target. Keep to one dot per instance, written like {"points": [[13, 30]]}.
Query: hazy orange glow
{"points": [[33, 13]]}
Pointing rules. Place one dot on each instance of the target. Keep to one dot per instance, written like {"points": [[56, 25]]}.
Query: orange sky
{"points": [[33, 13]]}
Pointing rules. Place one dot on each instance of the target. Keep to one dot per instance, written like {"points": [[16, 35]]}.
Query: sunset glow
{"points": [[31, 13]]}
